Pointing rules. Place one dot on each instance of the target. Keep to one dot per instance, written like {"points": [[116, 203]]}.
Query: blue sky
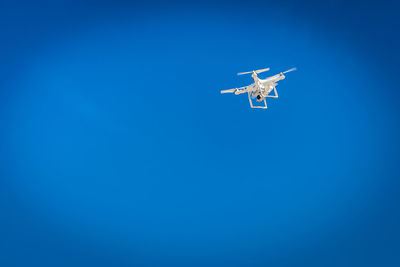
{"points": [[118, 148]]}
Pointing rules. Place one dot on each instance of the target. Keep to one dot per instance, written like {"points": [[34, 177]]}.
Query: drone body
{"points": [[261, 88]]}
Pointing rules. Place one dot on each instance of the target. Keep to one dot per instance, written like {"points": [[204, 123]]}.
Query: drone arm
{"points": [[237, 91], [244, 89]]}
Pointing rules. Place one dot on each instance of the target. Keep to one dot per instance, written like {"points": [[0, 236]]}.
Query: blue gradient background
{"points": [[117, 148]]}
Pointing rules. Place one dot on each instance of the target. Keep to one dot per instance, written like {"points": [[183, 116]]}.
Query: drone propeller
{"points": [[228, 91], [292, 69], [256, 71]]}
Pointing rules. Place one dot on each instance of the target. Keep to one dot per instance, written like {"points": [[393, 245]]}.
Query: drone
{"points": [[261, 88]]}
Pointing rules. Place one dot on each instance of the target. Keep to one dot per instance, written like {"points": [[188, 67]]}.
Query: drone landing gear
{"points": [[259, 100], [275, 92]]}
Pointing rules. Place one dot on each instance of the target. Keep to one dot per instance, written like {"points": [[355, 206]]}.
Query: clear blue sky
{"points": [[117, 148]]}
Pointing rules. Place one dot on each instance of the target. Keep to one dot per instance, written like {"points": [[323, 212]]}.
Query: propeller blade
{"points": [[256, 71], [262, 70], [228, 91], [292, 69], [247, 72]]}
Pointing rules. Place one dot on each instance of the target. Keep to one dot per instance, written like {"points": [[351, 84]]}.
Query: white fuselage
{"points": [[262, 87]]}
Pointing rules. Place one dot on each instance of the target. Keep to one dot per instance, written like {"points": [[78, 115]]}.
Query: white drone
{"points": [[261, 88]]}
